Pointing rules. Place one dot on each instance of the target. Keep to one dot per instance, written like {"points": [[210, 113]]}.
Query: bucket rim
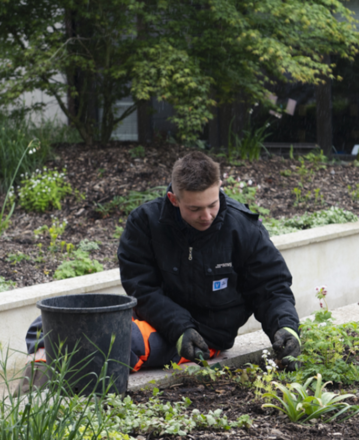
{"points": [[106, 309]]}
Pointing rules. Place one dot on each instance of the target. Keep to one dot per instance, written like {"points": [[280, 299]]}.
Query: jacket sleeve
{"points": [[141, 278], [266, 285]]}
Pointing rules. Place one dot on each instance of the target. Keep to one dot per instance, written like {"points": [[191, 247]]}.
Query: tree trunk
{"points": [[324, 114], [144, 122]]}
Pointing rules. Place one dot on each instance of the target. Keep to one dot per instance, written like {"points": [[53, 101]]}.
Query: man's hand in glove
{"points": [[190, 343], [287, 343]]}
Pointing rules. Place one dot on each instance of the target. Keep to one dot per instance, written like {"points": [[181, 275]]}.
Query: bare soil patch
{"points": [[101, 173]]}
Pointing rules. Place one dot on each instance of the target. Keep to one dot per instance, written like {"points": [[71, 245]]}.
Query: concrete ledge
{"points": [[315, 235], [108, 281]]}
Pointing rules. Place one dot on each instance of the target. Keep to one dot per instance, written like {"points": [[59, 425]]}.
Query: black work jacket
{"points": [[211, 280]]}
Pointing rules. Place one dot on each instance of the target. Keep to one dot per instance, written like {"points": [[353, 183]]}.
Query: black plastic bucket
{"points": [[84, 322]]}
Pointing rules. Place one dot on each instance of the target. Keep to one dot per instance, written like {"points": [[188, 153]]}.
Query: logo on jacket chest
{"points": [[220, 265], [220, 284]]}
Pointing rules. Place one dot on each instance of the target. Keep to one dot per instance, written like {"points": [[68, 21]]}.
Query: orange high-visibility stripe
{"points": [[146, 330], [39, 356]]}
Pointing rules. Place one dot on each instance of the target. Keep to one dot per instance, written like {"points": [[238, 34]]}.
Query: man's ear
{"points": [[172, 198]]}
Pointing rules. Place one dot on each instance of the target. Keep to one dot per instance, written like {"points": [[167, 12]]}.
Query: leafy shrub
{"points": [[42, 190], [308, 221], [328, 349], [81, 264]]}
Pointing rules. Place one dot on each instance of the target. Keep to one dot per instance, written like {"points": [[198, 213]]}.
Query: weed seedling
{"points": [[137, 152], [354, 192], [298, 196], [286, 173], [17, 258], [5, 285], [56, 229], [118, 232]]}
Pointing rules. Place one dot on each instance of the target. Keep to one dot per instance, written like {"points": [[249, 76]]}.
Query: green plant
{"points": [[286, 173], [291, 152], [244, 193], [297, 402], [80, 264], [318, 197], [56, 229], [137, 152], [249, 145], [5, 285], [88, 246], [58, 413], [101, 172], [327, 348], [317, 160], [354, 192], [118, 232], [308, 221], [298, 196], [264, 379], [129, 202], [18, 135], [303, 171], [43, 190], [4, 221], [17, 258]]}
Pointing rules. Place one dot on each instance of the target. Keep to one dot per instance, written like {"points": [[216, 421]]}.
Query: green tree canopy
{"points": [[194, 54]]}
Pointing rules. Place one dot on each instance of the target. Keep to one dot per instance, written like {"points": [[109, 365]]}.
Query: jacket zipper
{"points": [[190, 254]]}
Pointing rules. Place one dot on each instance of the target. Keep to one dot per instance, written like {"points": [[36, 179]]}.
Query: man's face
{"points": [[198, 208]]}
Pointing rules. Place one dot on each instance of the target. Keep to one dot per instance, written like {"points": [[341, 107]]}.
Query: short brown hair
{"points": [[194, 172]]}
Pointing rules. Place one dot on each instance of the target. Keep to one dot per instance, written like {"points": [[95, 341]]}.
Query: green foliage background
{"points": [[194, 55]]}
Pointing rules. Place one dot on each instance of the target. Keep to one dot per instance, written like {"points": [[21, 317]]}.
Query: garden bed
{"points": [[101, 174], [236, 401]]}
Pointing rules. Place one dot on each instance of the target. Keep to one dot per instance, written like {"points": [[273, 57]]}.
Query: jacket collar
{"points": [[171, 215]]}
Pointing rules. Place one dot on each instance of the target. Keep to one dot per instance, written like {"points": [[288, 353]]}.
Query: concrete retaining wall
{"points": [[326, 255]]}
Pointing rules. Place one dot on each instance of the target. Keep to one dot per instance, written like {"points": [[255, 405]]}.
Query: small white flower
{"points": [[250, 182], [250, 111], [242, 184], [265, 351], [258, 187], [225, 175], [238, 179]]}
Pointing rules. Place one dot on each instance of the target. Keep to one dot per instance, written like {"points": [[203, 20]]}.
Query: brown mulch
{"points": [[101, 173], [236, 400]]}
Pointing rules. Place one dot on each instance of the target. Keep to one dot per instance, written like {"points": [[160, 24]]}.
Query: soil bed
{"points": [[236, 400], [101, 173]]}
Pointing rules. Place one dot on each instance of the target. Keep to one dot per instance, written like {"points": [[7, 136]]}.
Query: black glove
{"points": [[190, 344], [286, 344]]}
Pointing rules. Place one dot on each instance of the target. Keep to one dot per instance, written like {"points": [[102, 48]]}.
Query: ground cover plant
{"points": [[42, 190], [103, 175]]}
